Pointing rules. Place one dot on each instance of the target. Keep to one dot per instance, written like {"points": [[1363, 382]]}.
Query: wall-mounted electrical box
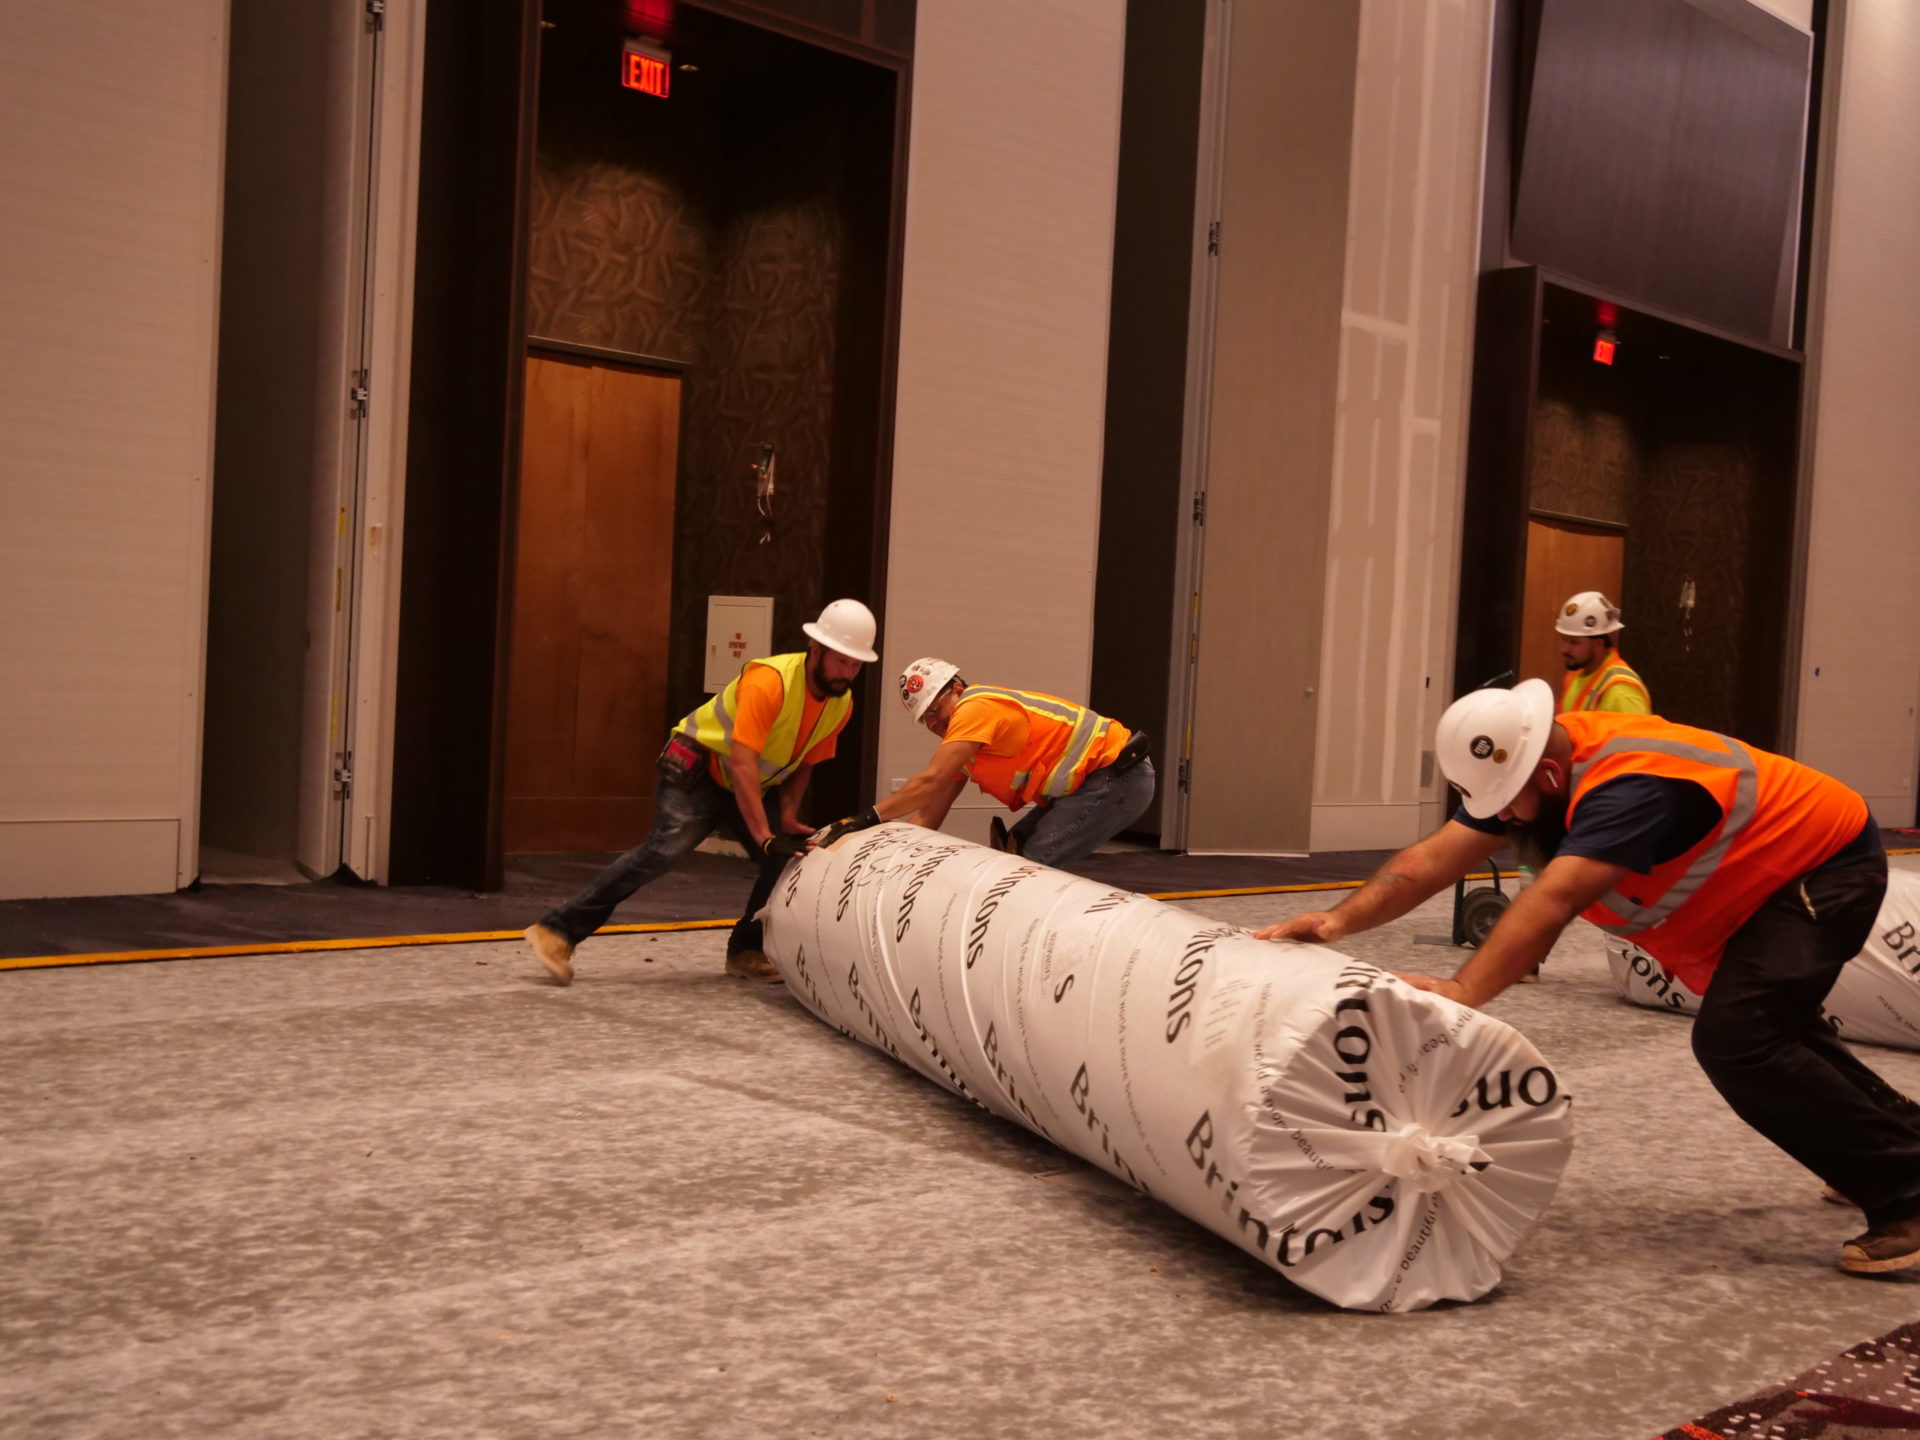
{"points": [[739, 629]]}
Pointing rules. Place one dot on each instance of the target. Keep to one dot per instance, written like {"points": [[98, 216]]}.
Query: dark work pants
{"points": [[1762, 1042], [684, 814]]}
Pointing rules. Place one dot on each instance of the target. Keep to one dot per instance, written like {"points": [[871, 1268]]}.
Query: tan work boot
{"points": [[553, 950], [752, 965], [1893, 1246], [1833, 1196]]}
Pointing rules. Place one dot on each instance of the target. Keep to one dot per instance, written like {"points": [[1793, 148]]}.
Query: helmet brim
{"points": [[1536, 698], [839, 647]]}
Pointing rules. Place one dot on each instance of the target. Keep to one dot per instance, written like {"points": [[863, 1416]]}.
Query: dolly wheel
{"points": [[1479, 912]]}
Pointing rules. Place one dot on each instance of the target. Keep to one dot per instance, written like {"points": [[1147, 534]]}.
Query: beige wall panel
{"points": [[1860, 653], [1003, 354], [86, 857], [109, 243], [1794, 12], [1283, 216], [1393, 539]]}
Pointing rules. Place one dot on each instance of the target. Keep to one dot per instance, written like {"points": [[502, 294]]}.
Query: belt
{"points": [[1131, 753]]}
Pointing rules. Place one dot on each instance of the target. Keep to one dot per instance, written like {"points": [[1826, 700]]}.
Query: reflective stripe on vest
{"points": [[1087, 729], [1746, 791], [1779, 819], [1585, 693], [712, 724]]}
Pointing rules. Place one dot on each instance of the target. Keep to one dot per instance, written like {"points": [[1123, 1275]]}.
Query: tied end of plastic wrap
{"points": [[1427, 1163]]}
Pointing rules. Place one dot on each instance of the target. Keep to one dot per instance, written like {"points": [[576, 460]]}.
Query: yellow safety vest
{"points": [[712, 724], [1615, 686]]}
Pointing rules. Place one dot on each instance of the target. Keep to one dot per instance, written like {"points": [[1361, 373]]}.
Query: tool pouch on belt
{"points": [[681, 759], [1131, 753]]}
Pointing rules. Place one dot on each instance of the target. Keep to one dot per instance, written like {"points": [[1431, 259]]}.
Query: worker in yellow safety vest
{"points": [[1081, 777], [1597, 678], [766, 730], [1752, 878]]}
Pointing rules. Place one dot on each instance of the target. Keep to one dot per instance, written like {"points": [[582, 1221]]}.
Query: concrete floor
{"points": [[424, 1193]]}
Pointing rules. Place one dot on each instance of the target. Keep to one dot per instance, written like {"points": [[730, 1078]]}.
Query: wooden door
{"points": [[593, 582], [1564, 557]]}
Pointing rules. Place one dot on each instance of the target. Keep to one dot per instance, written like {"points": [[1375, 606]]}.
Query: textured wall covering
{"points": [[709, 230], [1696, 465], [1860, 652], [1393, 534]]}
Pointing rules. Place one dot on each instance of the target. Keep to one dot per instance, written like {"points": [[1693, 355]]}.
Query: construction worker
{"points": [[1750, 877], [1597, 678], [1085, 777], [767, 729]]}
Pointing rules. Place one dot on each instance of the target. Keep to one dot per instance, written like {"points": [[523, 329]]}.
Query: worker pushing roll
{"points": [[767, 729], [1081, 777], [1597, 678], [1750, 877]]}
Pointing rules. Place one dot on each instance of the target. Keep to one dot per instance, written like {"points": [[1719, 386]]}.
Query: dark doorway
{"points": [[743, 233], [1684, 445]]}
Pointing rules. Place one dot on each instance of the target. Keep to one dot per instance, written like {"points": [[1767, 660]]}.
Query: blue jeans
{"points": [[685, 813], [1074, 826]]}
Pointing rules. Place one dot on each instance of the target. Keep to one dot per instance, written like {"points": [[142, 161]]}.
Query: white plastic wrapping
{"points": [[1876, 998], [1379, 1146]]}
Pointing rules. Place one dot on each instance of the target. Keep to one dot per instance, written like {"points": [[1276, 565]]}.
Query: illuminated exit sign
{"points": [[645, 69]]}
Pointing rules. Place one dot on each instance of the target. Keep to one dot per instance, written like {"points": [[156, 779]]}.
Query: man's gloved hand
{"points": [[827, 835], [778, 849]]}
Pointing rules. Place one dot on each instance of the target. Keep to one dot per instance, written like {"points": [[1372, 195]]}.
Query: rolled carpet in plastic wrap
{"points": [[1379, 1146], [1876, 998]]}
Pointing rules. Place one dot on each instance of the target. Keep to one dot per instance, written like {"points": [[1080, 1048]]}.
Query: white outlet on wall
{"points": [[896, 783]]}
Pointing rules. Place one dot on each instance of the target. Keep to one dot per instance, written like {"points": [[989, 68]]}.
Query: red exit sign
{"points": [[647, 73]]}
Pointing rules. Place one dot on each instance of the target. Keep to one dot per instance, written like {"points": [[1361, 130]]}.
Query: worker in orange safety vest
{"points": [[1081, 777], [1750, 877]]}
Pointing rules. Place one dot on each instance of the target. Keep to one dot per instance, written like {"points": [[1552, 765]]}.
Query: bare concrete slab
{"points": [[422, 1192]]}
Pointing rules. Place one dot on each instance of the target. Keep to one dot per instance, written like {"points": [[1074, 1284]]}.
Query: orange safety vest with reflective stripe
{"points": [[1616, 686], [1064, 742], [1779, 820], [712, 724]]}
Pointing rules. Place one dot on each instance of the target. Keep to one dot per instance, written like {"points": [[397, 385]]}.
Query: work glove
{"points": [[833, 832], [778, 849]]}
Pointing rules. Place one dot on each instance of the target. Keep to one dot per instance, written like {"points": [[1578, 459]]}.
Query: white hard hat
{"points": [[922, 681], [846, 626], [1489, 742], [1589, 613]]}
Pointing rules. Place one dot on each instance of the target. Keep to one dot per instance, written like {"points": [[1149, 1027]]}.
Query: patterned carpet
{"points": [[1868, 1392]]}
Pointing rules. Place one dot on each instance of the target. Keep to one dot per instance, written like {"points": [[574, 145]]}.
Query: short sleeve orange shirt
{"points": [[757, 705]]}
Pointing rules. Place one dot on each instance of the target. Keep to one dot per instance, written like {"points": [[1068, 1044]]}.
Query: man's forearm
{"points": [[791, 794], [1387, 895], [934, 813], [914, 796], [744, 765], [1395, 888], [1520, 941]]}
